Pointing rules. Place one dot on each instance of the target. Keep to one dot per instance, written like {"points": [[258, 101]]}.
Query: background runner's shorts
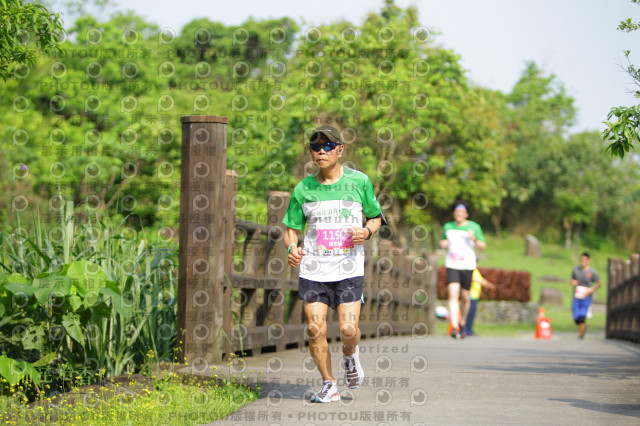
{"points": [[331, 293], [459, 276]]}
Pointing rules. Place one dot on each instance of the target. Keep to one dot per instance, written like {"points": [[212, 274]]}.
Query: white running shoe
{"points": [[353, 372], [328, 393]]}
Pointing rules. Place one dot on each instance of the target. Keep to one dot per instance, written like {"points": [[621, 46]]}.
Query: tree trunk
{"points": [[576, 244], [567, 233], [496, 219]]}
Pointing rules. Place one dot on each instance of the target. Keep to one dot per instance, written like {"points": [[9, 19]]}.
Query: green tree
{"points": [[99, 123], [26, 28], [411, 120], [537, 114], [588, 188], [625, 131]]}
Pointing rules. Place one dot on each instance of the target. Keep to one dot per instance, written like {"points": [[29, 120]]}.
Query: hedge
{"points": [[510, 285]]}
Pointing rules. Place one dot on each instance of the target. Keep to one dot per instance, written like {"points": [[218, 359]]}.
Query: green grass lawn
{"points": [[508, 253], [171, 400]]}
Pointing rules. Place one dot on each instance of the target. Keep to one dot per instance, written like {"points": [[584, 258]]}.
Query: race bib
{"points": [[332, 240], [581, 292], [456, 256]]}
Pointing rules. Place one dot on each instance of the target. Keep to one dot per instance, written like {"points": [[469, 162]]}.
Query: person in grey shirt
{"points": [[585, 282]]}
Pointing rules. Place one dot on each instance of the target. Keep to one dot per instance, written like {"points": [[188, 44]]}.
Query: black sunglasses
{"points": [[328, 146]]}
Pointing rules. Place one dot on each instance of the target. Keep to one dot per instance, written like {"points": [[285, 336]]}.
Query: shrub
{"points": [[510, 285], [85, 306]]}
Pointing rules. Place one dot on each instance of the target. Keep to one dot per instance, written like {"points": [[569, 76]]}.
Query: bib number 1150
{"points": [[329, 239]]}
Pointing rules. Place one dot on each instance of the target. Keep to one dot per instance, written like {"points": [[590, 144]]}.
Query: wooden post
{"points": [[404, 311], [635, 264], [432, 289], [635, 279], [396, 289], [295, 308], [414, 285], [276, 267], [610, 278], [384, 295], [252, 253], [367, 313], [619, 281], [229, 243], [201, 257], [249, 310]]}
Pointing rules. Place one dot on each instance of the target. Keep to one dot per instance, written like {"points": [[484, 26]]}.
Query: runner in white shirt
{"points": [[333, 203], [460, 238]]}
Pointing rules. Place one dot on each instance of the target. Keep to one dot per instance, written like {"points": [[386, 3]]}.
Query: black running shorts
{"points": [[331, 293], [459, 276]]}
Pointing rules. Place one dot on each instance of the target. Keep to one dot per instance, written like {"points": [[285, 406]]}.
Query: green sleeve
{"points": [[370, 205], [444, 231], [294, 218], [478, 231]]}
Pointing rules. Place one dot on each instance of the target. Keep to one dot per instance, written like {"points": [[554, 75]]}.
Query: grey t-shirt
{"points": [[586, 277]]}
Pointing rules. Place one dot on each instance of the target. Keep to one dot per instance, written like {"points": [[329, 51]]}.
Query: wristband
{"points": [[370, 233], [289, 248]]}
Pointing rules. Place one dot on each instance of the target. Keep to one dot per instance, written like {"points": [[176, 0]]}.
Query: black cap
{"points": [[330, 132]]}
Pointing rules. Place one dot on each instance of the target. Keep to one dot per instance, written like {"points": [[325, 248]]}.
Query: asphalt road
{"points": [[437, 380]]}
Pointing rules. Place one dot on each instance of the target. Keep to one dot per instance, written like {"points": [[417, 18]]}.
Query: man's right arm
{"points": [[574, 281], [444, 242], [291, 241]]}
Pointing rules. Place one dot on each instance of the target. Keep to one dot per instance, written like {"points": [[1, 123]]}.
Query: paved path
{"points": [[436, 380]]}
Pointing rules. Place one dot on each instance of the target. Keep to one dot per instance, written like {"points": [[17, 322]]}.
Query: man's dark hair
{"points": [[460, 202], [586, 254]]}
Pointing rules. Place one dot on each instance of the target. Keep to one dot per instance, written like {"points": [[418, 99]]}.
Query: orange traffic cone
{"points": [[543, 327]]}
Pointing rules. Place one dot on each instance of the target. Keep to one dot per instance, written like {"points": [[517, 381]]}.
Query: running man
{"points": [[333, 202], [585, 282], [460, 237]]}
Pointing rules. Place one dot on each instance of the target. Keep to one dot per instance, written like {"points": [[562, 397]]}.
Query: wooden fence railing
{"points": [[236, 290], [623, 299]]}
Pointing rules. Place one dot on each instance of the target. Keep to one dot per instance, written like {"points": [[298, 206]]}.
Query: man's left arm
{"points": [[597, 284], [359, 235], [372, 212], [478, 238]]}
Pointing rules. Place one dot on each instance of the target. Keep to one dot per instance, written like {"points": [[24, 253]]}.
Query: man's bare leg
{"points": [[348, 319], [464, 307], [316, 313], [454, 303]]}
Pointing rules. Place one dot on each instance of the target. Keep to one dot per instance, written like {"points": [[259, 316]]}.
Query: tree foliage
{"points": [[625, 131], [99, 123], [25, 28]]}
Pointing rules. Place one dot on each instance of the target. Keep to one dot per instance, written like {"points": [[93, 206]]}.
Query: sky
{"points": [[576, 40]]}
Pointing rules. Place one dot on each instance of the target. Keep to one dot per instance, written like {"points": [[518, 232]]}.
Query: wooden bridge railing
{"points": [[236, 290], [623, 299]]}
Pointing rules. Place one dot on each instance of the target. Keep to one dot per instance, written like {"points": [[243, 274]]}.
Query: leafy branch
{"points": [[626, 130], [26, 28]]}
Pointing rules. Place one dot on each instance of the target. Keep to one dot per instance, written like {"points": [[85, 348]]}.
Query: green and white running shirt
{"points": [[330, 211], [461, 254]]}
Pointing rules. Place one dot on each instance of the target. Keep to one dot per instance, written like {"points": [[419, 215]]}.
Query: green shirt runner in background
{"points": [[460, 237], [330, 211], [461, 254]]}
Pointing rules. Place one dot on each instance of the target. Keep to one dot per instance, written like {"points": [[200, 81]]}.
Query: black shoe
{"points": [[455, 333]]}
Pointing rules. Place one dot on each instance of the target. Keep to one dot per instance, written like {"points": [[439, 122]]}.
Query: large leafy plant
{"points": [[97, 306]]}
